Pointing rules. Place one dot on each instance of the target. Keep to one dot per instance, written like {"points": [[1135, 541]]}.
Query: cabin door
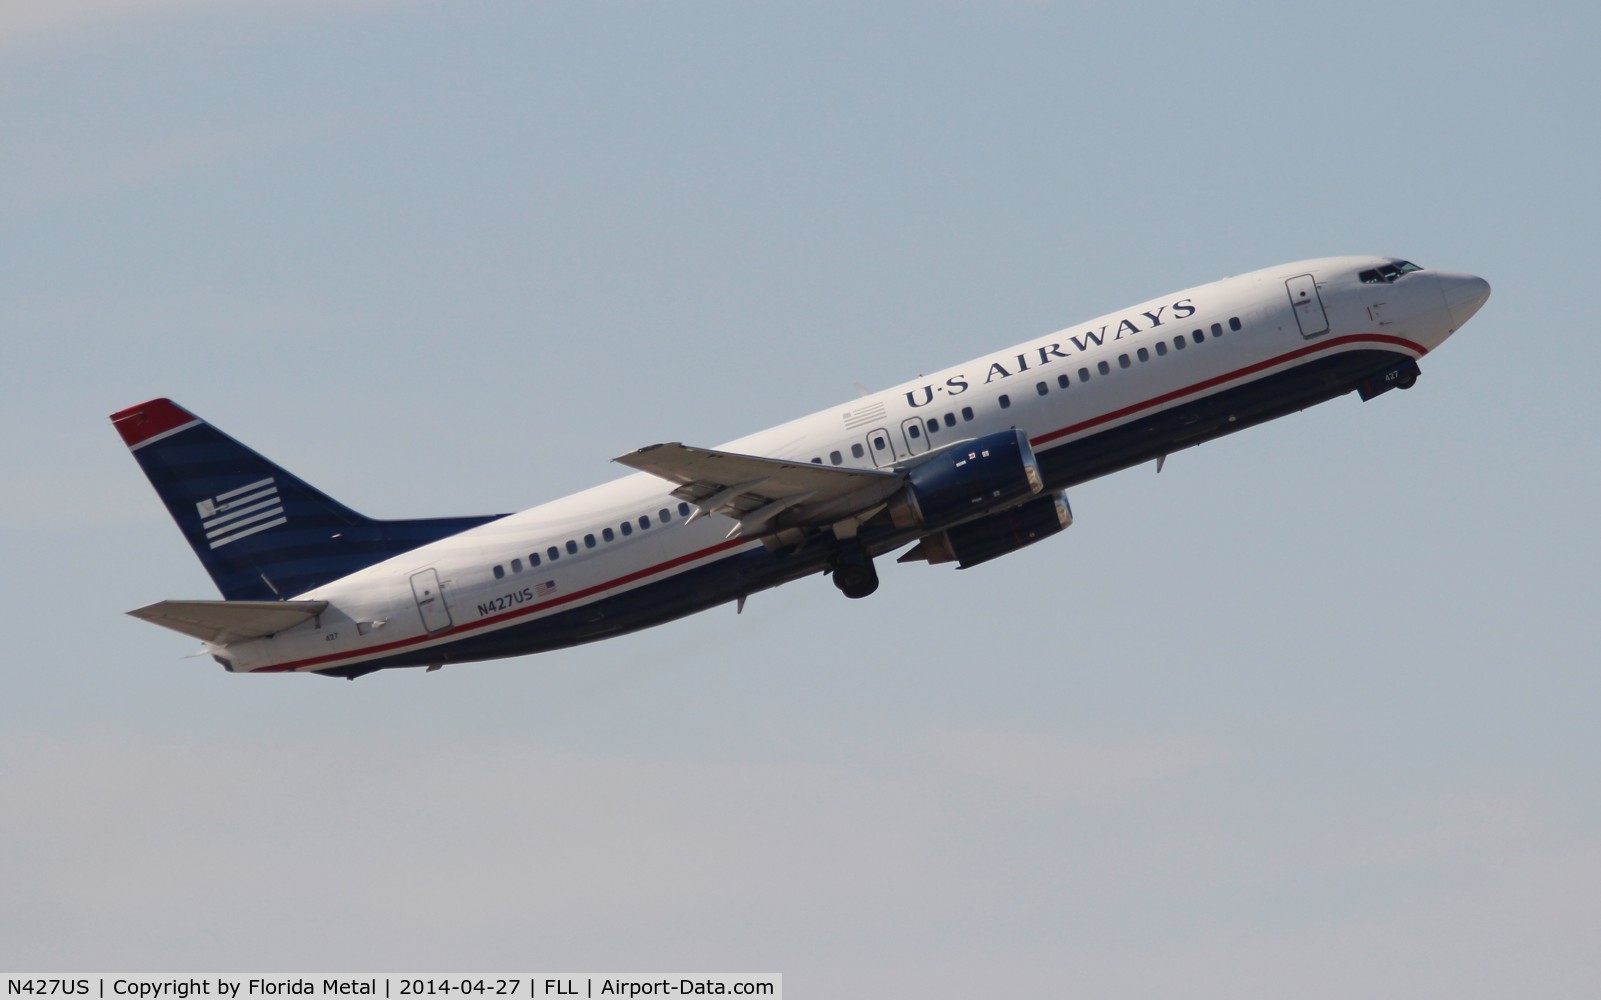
{"points": [[916, 435], [881, 446], [430, 600], [1308, 305]]}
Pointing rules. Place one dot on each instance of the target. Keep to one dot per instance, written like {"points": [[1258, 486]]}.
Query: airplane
{"points": [[962, 466]]}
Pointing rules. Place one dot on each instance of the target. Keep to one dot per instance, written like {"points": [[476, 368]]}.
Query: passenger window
{"points": [[664, 515], [817, 461], [1063, 381], [572, 547], [878, 442], [1161, 348], [1217, 329], [644, 521], [836, 457], [533, 559], [1005, 401], [1143, 354], [628, 528], [589, 541], [683, 510], [1197, 336], [500, 571], [857, 451], [1179, 342], [516, 565], [933, 425], [1103, 368], [1122, 361], [1083, 374], [967, 414], [1041, 388], [554, 553], [1234, 323], [607, 535], [913, 431], [950, 419]]}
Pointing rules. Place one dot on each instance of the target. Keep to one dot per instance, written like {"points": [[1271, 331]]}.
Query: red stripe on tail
{"points": [[138, 424]]}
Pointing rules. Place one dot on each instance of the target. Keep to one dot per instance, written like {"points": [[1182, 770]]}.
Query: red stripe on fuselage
{"points": [[1213, 383], [672, 564], [457, 630]]}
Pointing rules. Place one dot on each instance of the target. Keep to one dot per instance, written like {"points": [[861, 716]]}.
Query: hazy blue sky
{"points": [[1313, 713]]}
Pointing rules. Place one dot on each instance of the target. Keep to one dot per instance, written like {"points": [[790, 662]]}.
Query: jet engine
{"points": [[966, 480], [996, 534]]}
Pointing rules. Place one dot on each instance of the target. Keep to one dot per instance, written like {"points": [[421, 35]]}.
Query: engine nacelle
{"points": [[982, 540], [966, 480]]}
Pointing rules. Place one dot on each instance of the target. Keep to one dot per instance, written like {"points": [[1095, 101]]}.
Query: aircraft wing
{"points": [[765, 494], [223, 622]]}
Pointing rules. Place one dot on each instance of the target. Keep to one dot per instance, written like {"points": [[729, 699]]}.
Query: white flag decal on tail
{"points": [[233, 515]]}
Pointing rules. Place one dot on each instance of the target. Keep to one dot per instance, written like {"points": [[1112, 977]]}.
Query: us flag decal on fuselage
{"points": [[233, 515]]}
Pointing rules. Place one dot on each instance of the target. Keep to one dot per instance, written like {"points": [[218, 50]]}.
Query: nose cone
{"points": [[1464, 295]]}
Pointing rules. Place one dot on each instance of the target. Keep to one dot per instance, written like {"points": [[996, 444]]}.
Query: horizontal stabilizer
{"points": [[222, 622]]}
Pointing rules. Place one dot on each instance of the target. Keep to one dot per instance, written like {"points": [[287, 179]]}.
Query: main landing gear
{"points": [[853, 570]]}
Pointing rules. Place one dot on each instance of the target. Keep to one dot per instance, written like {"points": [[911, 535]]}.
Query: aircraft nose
{"points": [[1464, 294]]}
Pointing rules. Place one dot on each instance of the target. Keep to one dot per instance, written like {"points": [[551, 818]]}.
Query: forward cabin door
{"points": [[430, 600], [1308, 305]]}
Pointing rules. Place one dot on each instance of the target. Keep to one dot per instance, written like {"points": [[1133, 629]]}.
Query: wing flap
{"points": [[764, 494], [222, 622]]}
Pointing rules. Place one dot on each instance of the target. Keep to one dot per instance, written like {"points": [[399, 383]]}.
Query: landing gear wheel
{"points": [[854, 574], [1401, 375]]}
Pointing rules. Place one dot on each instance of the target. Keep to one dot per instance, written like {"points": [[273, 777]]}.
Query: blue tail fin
{"points": [[260, 531]]}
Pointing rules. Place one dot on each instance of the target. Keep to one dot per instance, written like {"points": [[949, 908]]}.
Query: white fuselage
{"points": [[1063, 390]]}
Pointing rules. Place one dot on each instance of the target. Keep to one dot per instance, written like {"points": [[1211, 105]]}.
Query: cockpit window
{"points": [[1387, 273]]}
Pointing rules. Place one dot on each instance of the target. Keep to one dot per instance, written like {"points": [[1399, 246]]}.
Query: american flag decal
{"points": [[541, 589], [239, 513], [866, 415]]}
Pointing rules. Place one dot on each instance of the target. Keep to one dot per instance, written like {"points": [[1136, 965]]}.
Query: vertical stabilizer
{"points": [[260, 531]]}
